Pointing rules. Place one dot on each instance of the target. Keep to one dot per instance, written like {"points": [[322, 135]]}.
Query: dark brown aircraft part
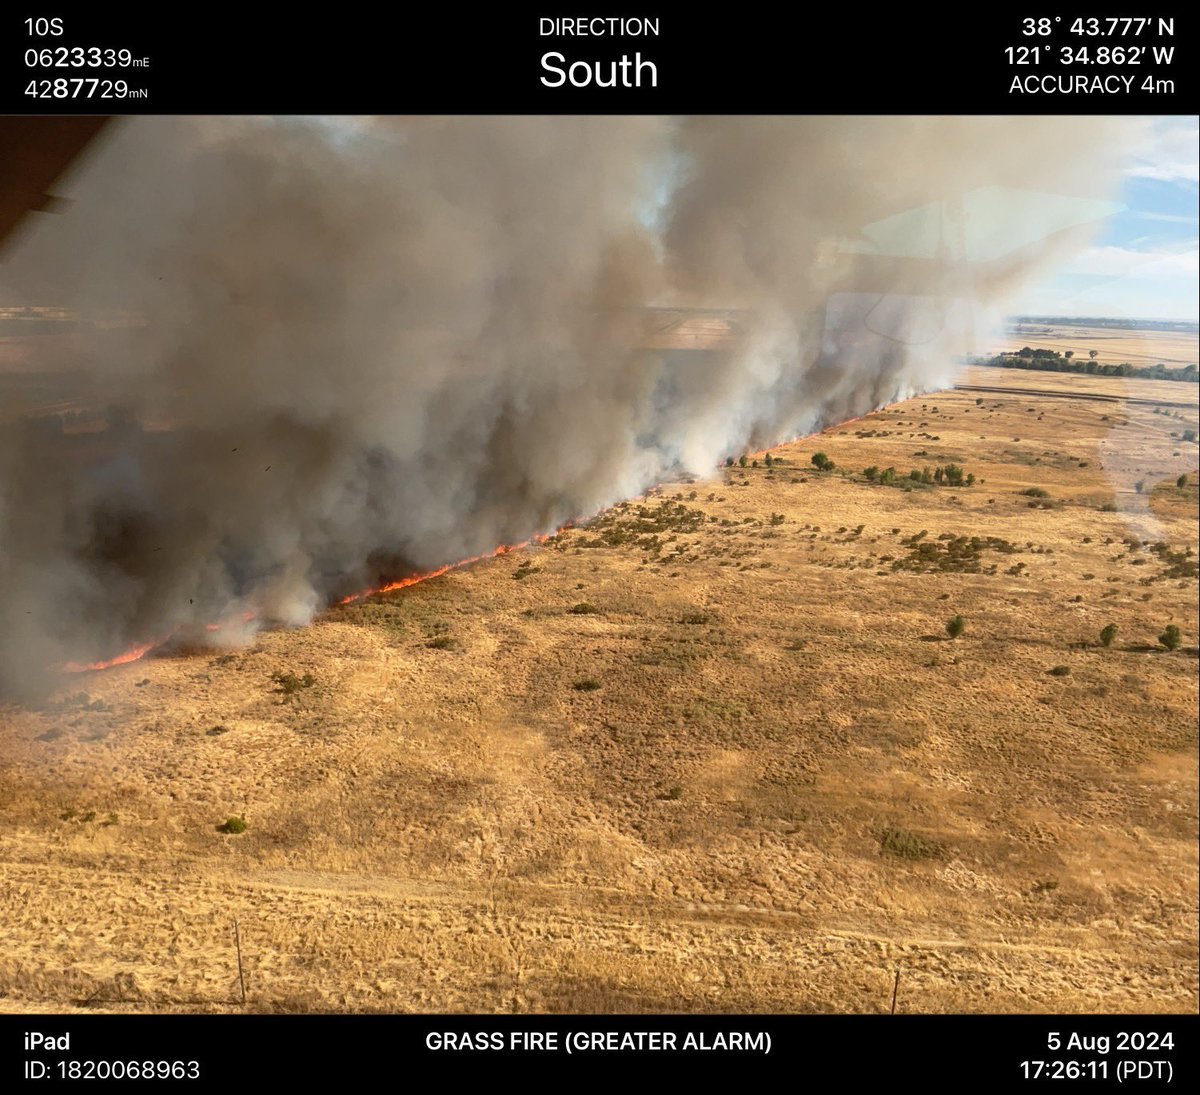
{"points": [[34, 153]]}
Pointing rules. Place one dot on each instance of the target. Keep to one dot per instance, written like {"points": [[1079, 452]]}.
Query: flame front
{"points": [[130, 655], [134, 653], [413, 579]]}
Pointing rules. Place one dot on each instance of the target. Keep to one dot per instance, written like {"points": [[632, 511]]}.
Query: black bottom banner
{"points": [[933, 1053]]}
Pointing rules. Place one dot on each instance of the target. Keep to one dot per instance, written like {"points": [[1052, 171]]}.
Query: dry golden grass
{"points": [[786, 784]]}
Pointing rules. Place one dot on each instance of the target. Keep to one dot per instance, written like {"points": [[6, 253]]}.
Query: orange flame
{"points": [[413, 579], [130, 655]]}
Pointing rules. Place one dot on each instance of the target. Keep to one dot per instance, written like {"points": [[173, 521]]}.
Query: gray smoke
{"points": [[354, 349]]}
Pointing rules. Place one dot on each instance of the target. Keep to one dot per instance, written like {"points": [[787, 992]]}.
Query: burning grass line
{"points": [[136, 653]]}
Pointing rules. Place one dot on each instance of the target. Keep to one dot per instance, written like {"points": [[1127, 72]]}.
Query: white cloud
{"points": [[1125, 262], [1168, 151]]}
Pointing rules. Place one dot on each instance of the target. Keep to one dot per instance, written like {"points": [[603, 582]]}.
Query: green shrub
{"points": [[1170, 638], [1182, 481], [1059, 671], [1035, 492], [584, 608], [233, 825], [588, 684], [955, 626], [1107, 633], [906, 845], [871, 473], [822, 462], [694, 618], [290, 684]]}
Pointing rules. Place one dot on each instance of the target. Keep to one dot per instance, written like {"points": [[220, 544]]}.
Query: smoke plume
{"points": [[347, 349]]}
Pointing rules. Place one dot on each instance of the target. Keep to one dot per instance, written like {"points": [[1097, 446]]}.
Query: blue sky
{"points": [[1144, 262]]}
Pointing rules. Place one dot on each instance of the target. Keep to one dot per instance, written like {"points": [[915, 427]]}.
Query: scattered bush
{"points": [[822, 462], [588, 684], [955, 626], [674, 793], [1059, 671], [1182, 481], [232, 825], [1035, 492], [694, 618], [905, 845], [290, 684], [1170, 638], [442, 642], [871, 473], [584, 608], [1107, 633], [1140, 486]]}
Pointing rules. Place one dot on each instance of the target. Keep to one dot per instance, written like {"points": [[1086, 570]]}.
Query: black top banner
{"points": [[584, 58]]}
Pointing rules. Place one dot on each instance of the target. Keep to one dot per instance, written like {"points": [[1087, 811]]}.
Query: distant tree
{"points": [[971, 480], [769, 460], [729, 461], [1093, 354], [955, 626], [1069, 354], [1182, 481], [1140, 485], [1170, 638], [742, 460], [871, 473], [821, 462], [1107, 633]]}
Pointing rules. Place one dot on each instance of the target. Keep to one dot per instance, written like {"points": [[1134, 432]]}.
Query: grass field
{"points": [[714, 752]]}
